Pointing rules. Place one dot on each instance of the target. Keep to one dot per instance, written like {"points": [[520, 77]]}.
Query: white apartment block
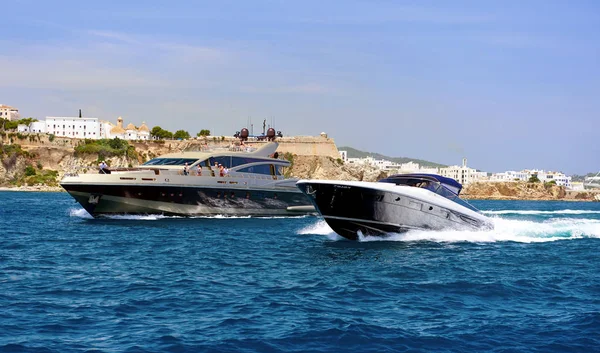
{"points": [[510, 176], [8, 112], [382, 164], [558, 177], [90, 128], [462, 174], [389, 166], [73, 127]]}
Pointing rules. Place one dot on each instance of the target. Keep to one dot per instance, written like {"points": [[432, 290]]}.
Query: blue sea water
{"points": [[69, 283]]}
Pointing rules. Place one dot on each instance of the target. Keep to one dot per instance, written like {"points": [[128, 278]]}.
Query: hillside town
{"points": [[466, 175]]}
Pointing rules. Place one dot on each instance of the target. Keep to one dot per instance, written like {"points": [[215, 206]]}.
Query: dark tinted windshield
{"points": [[170, 161], [447, 191]]}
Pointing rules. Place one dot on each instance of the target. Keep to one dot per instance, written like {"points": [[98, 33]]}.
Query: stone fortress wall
{"points": [[298, 145]]}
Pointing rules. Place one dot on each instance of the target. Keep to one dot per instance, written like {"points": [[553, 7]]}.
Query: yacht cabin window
{"points": [[171, 161]]}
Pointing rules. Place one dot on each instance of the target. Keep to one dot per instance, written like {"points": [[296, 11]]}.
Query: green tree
{"points": [[181, 134], [160, 133], [203, 132], [27, 121], [156, 131], [534, 179]]}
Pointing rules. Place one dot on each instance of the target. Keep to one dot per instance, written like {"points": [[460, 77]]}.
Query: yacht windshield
{"points": [[170, 161], [432, 184]]}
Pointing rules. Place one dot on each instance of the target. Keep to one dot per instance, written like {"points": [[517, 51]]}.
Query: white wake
{"points": [[504, 230], [82, 213], [534, 212]]}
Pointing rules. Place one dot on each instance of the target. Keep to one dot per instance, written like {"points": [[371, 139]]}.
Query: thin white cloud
{"points": [[68, 74], [112, 35], [307, 88]]}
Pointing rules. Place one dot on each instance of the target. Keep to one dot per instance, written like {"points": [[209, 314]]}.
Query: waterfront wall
{"points": [[298, 145]]}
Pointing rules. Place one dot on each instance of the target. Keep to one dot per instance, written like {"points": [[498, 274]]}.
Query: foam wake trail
{"points": [[534, 212], [81, 213], [320, 228], [505, 230]]}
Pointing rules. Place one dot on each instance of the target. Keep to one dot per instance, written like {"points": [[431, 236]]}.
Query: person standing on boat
{"points": [[103, 167], [186, 169]]}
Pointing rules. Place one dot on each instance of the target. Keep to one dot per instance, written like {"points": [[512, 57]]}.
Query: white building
{"points": [[462, 174], [34, 127], [344, 156], [524, 175], [130, 132], [413, 167], [510, 176], [577, 186], [73, 127], [382, 164], [8, 112], [560, 178], [389, 166]]}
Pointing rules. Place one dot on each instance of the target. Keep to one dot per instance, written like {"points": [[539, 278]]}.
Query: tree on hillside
{"points": [[13, 124], [181, 134], [203, 132], [160, 133], [27, 121], [534, 179]]}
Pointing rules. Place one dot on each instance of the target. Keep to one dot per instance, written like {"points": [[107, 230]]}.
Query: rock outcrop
{"points": [[521, 190], [312, 158]]}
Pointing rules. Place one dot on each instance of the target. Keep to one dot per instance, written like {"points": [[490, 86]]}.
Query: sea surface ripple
{"points": [[70, 283]]}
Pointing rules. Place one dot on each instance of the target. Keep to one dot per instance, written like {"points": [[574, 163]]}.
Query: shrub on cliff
{"points": [[106, 148], [45, 177], [12, 149], [290, 158], [29, 171], [534, 179]]}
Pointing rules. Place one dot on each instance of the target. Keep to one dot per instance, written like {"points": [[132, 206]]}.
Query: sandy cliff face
{"points": [[310, 160], [522, 191], [320, 167]]}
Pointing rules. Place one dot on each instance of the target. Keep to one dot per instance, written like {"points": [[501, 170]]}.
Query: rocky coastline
{"points": [[24, 162]]}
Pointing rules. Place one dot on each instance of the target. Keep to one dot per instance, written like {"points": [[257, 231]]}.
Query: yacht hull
{"points": [[377, 209], [105, 200]]}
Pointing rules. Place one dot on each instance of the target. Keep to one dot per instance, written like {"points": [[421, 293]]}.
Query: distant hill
{"points": [[354, 153]]}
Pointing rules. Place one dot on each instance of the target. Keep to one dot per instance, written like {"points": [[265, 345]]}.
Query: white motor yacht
{"points": [[395, 204], [191, 184]]}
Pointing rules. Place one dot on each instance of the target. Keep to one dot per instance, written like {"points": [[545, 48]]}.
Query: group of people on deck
{"points": [[223, 171]]}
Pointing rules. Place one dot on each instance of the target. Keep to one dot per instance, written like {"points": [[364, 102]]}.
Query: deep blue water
{"points": [[150, 284]]}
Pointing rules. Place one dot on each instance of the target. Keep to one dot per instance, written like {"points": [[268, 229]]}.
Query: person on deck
{"points": [[103, 168]]}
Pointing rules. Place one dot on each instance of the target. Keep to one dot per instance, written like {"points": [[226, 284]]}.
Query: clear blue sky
{"points": [[507, 84]]}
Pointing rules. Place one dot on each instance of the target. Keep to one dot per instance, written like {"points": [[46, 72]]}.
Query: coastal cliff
{"points": [[30, 161], [521, 190], [37, 162]]}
